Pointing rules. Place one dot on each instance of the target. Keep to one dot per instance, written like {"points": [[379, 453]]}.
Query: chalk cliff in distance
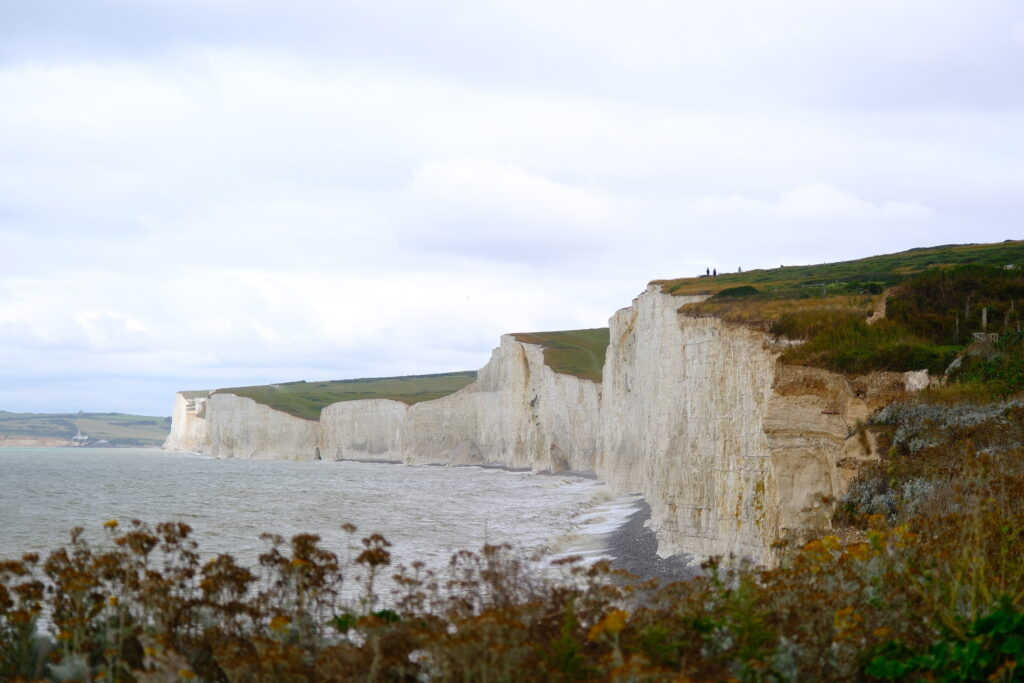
{"points": [[519, 413], [732, 449], [188, 423]]}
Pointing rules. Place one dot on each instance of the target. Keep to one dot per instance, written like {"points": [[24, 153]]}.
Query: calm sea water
{"points": [[426, 512]]}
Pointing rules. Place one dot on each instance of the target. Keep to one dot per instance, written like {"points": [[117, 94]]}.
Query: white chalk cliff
{"points": [[229, 426], [188, 423], [518, 412], [732, 450]]}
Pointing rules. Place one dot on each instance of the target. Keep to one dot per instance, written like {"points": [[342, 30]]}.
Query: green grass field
{"points": [[884, 270], [308, 399], [572, 352], [118, 429]]}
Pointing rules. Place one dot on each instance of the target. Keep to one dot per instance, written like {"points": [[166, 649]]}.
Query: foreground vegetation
{"points": [[115, 428], [308, 399]]}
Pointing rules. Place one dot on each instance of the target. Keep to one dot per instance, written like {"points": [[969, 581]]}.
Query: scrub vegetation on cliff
{"points": [[572, 352], [935, 304], [308, 399]]}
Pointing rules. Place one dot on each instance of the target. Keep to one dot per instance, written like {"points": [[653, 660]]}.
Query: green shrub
{"points": [[1002, 370], [844, 342], [736, 292], [990, 648]]}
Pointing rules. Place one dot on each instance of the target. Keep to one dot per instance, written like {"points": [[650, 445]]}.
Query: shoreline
{"points": [[580, 474], [633, 548]]}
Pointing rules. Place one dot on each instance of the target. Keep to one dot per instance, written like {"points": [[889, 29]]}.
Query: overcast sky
{"points": [[208, 193]]}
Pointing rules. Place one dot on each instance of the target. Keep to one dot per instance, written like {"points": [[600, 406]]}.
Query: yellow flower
{"points": [[613, 623], [858, 551], [187, 674], [110, 523], [112, 601], [846, 621]]}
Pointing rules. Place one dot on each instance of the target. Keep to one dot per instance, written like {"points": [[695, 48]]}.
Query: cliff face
{"points": [[518, 413], [229, 426], [731, 449], [239, 427], [188, 424], [681, 423]]}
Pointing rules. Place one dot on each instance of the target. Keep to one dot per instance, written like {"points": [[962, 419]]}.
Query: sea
{"points": [[427, 513]]}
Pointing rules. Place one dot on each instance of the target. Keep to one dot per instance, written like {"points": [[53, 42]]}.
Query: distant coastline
{"points": [[82, 430], [34, 442]]}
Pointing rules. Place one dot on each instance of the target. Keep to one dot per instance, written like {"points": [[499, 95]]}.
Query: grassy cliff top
{"points": [[116, 428], [914, 310], [572, 352], [884, 270], [308, 399]]}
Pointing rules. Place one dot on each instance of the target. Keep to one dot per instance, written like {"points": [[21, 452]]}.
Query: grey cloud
{"points": [[736, 54]]}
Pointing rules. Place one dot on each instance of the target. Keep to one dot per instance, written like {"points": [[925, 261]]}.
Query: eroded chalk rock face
{"points": [[230, 426], [362, 430], [682, 423], [188, 424], [732, 450], [518, 413], [239, 427]]}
